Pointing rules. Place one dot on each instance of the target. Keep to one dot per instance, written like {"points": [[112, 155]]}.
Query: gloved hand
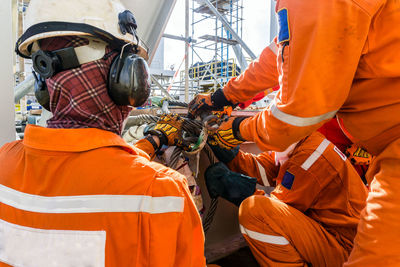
{"points": [[208, 102], [227, 135], [232, 186], [168, 129], [224, 155], [358, 156]]}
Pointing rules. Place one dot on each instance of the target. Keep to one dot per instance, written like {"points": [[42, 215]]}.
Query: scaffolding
{"points": [[213, 59]]}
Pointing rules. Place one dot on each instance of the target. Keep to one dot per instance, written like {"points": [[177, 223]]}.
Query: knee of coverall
{"points": [[251, 210]]}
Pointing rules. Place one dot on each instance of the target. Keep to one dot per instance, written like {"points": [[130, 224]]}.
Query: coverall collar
{"points": [[73, 140]]}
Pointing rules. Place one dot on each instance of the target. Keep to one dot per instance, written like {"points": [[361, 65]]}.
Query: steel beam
{"points": [[240, 57], [163, 90], [179, 38], [229, 28]]}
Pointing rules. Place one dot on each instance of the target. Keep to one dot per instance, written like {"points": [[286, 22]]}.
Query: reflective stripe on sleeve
{"points": [[273, 47], [299, 121], [90, 203], [270, 239], [315, 155], [263, 174]]}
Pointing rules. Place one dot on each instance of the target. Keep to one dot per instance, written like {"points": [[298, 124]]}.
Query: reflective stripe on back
{"points": [[271, 239], [90, 203], [263, 174], [315, 155], [24, 246], [299, 121]]}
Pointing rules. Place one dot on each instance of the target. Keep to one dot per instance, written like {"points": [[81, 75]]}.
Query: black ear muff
{"points": [[48, 63], [45, 63], [129, 80], [41, 93]]}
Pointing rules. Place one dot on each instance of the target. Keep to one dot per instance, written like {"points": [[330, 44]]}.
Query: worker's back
{"points": [[82, 197], [370, 113]]}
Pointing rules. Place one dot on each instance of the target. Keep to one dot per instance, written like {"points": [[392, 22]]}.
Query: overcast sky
{"points": [[256, 15]]}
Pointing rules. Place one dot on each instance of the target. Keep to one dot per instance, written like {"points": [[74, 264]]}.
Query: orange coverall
{"points": [[83, 197], [312, 214], [339, 57]]}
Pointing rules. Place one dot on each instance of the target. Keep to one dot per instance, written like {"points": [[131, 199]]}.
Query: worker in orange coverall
{"points": [[312, 214], [75, 193], [332, 57]]}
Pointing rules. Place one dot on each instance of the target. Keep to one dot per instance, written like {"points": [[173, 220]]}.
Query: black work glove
{"points": [[224, 155], [232, 186]]}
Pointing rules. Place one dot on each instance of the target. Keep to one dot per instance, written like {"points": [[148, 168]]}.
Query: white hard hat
{"points": [[92, 18]]}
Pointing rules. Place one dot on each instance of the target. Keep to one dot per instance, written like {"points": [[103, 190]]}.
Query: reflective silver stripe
{"points": [[315, 155], [26, 246], [273, 47], [90, 203], [299, 121], [271, 239], [263, 174]]}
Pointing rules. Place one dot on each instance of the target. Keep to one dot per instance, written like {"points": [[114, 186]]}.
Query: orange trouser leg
{"points": [[280, 235], [377, 242]]}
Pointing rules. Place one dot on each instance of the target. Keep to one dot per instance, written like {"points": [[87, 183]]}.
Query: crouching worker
{"points": [[75, 194], [312, 214]]}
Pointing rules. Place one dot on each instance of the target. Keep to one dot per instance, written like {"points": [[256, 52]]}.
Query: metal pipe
{"points": [[179, 38], [229, 28], [165, 92], [23, 88]]}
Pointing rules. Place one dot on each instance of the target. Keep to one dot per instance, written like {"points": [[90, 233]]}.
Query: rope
{"points": [[210, 215], [140, 119], [175, 157], [194, 128], [177, 103], [208, 219]]}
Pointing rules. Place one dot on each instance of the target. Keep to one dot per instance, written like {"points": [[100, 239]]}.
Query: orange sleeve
{"points": [[260, 75], [319, 46], [145, 146], [261, 167]]}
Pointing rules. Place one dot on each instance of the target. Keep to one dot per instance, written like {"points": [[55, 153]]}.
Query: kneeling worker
{"points": [[312, 214]]}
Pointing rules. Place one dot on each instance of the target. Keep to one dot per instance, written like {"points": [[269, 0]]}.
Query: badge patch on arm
{"points": [[283, 22], [288, 179]]}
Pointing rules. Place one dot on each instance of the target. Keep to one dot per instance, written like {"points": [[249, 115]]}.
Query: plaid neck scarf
{"points": [[79, 97]]}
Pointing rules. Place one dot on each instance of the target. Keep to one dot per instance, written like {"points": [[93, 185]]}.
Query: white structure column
{"points": [[7, 120], [273, 23]]}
